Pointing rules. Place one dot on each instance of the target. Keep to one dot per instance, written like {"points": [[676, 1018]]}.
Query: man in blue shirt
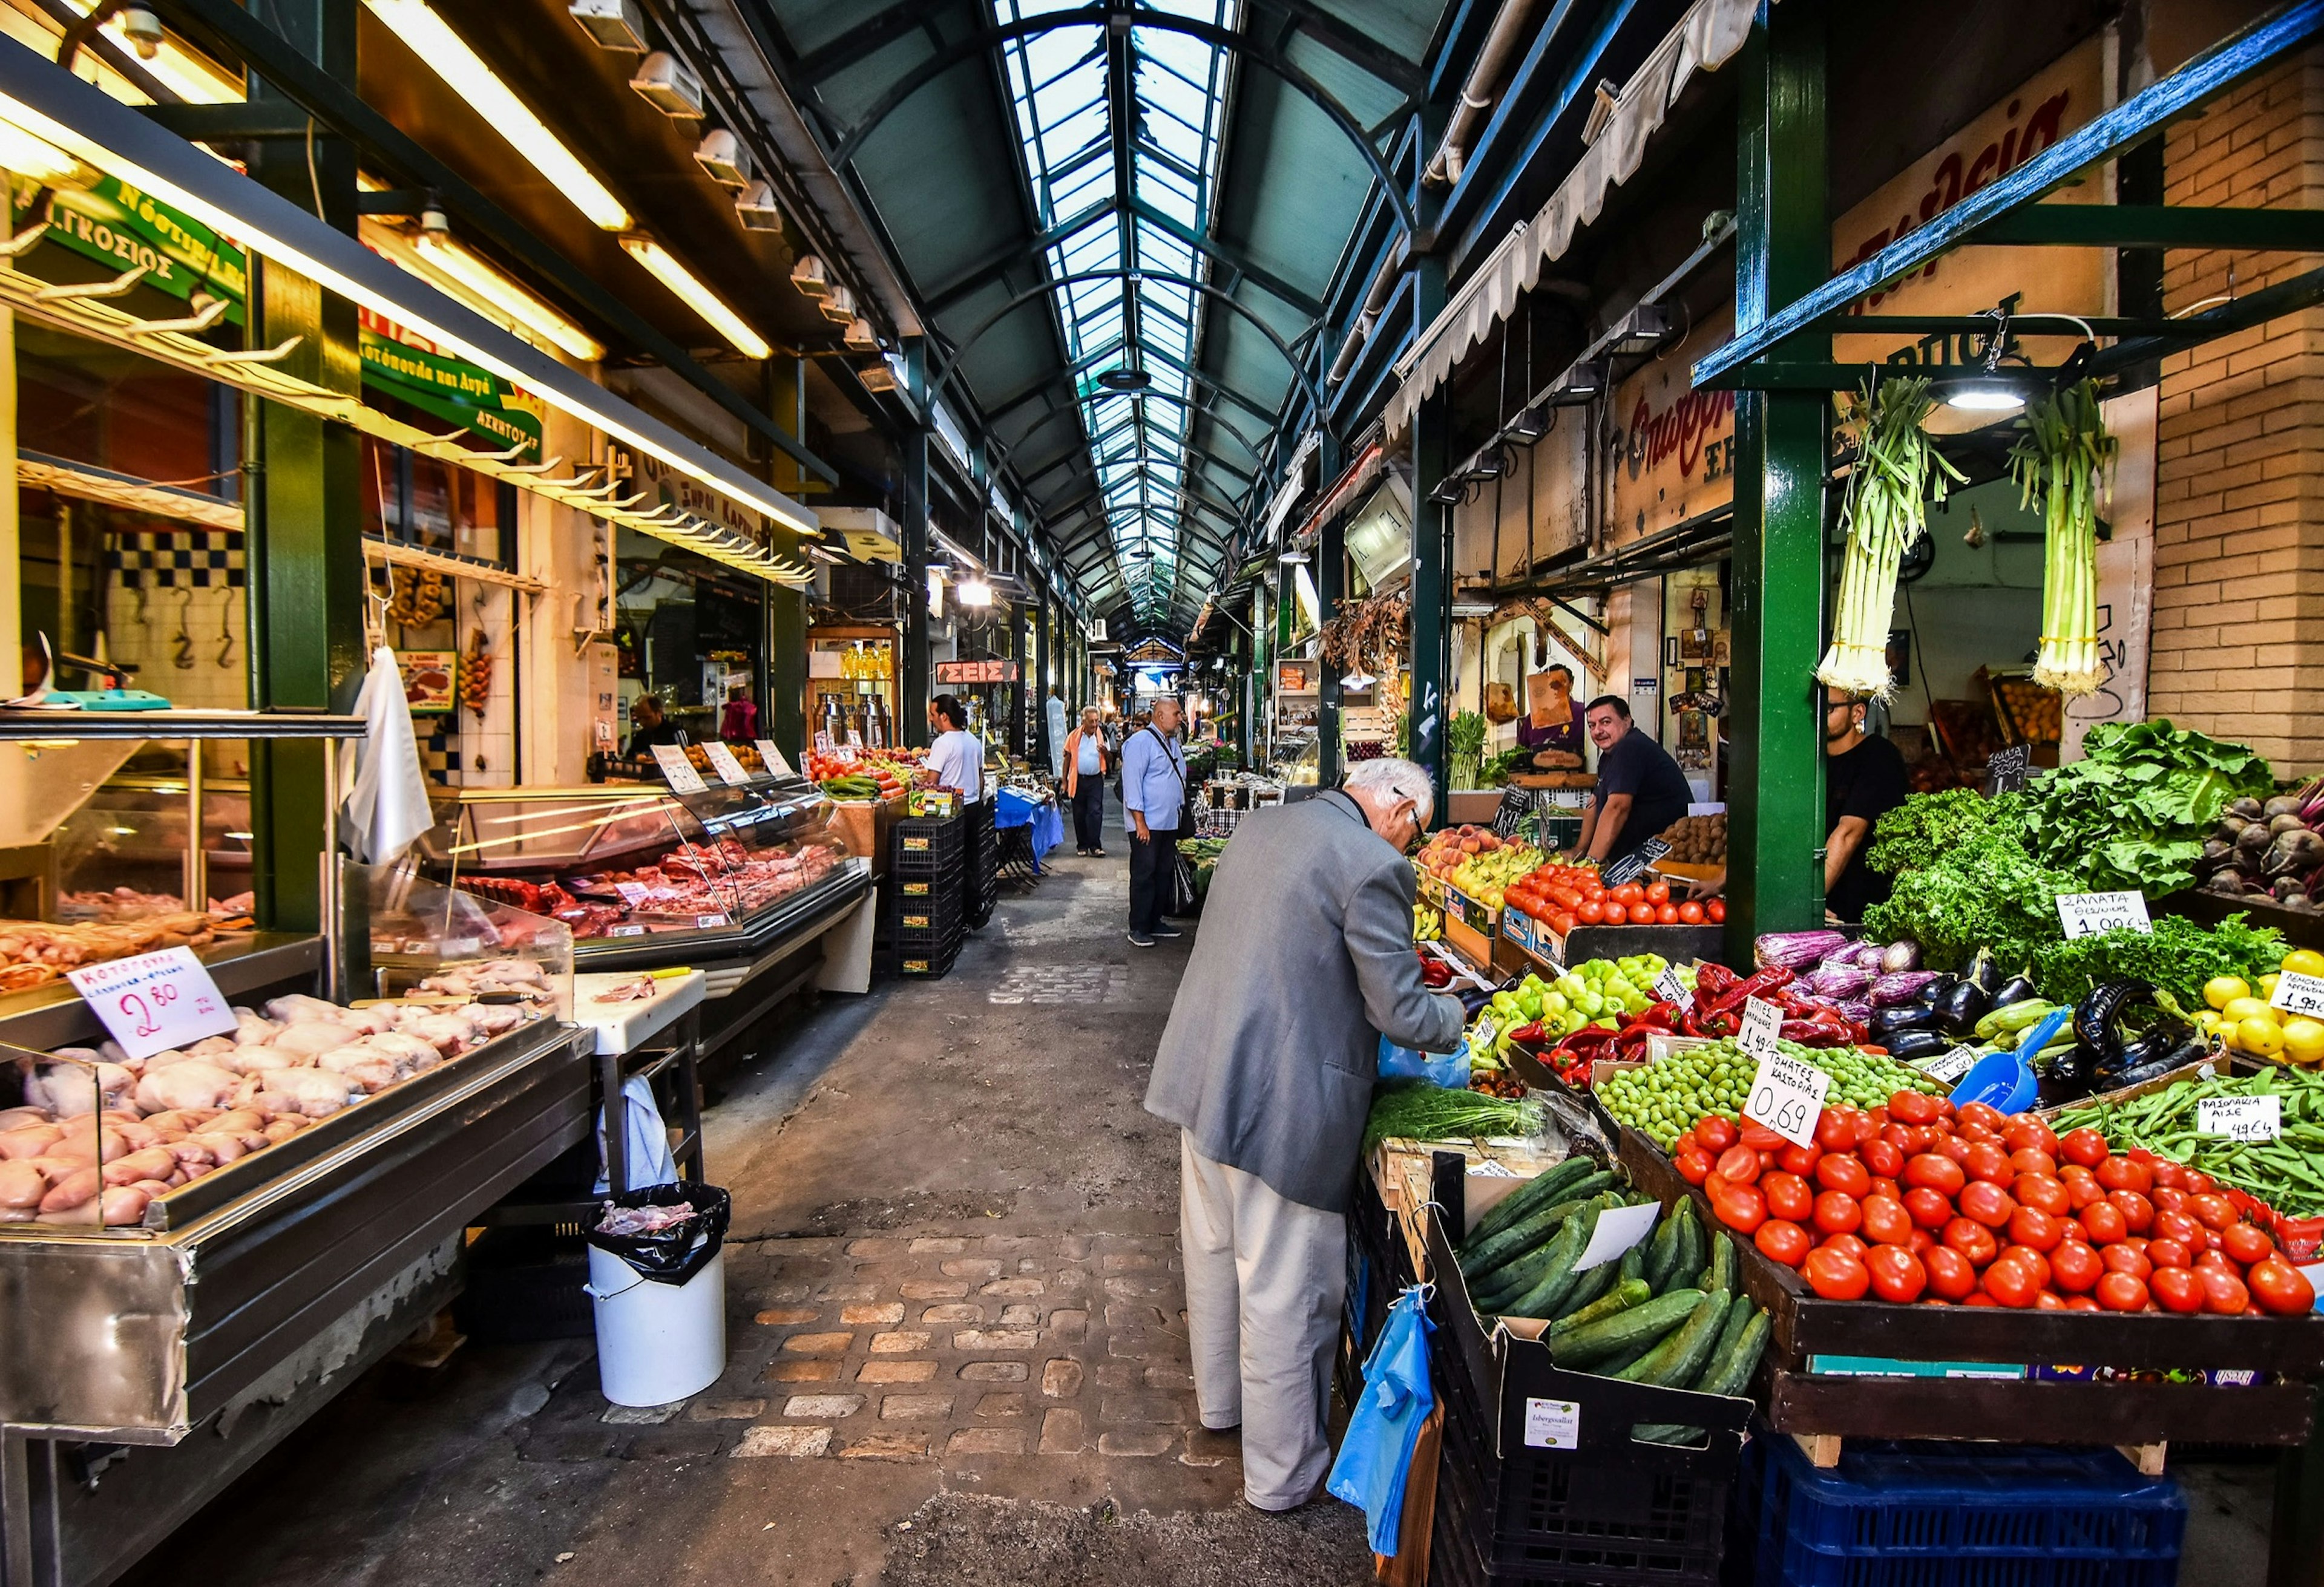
{"points": [[1154, 796]]}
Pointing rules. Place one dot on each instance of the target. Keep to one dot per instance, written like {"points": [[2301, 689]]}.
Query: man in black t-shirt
{"points": [[1863, 780], [1640, 790]]}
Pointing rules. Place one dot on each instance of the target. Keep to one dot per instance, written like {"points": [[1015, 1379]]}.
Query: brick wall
{"points": [[2238, 634]]}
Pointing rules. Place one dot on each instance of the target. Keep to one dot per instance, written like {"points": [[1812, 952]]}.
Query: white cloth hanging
{"points": [[645, 1142], [388, 809]]}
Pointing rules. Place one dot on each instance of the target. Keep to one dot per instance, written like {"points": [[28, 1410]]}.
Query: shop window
{"points": [[437, 506]]}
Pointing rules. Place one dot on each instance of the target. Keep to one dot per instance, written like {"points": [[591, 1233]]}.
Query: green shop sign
{"points": [[454, 390], [121, 226]]}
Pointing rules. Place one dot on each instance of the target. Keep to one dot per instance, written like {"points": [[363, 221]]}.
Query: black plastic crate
{"points": [[1602, 1507], [924, 962], [940, 911], [929, 884]]}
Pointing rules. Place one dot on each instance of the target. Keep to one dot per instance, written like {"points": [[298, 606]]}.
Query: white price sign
{"points": [[632, 892], [773, 757], [1669, 988], [2299, 994], [2241, 1118], [2086, 914], [1615, 1232], [1554, 1424], [1788, 1096], [155, 1001], [1952, 1066], [677, 770], [1762, 1023], [722, 761]]}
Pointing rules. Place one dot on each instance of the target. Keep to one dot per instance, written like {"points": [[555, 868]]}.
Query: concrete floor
{"points": [[955, 1351]]}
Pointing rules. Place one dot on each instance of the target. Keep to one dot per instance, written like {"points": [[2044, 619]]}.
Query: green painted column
{"points": [[1782, 250], [912, 694], [305, 506], [785, 721]]}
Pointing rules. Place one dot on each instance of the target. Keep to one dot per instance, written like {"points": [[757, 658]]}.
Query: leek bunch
{"points": [[1899, 471], [2061, 460]]}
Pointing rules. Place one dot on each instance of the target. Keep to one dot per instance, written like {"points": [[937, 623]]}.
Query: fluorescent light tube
{"points": [[700, 298], [465, 73], [479, 275]]}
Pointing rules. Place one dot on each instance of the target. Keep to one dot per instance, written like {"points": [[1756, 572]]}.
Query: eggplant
{"points": [[2096, 1032], [2064, 1079], [2015, 990], [1959, 1010], [1984, 974], [2155, 1045], [2178, 1056], [1887, 1023], [1911, 1046], [1927, 996]]}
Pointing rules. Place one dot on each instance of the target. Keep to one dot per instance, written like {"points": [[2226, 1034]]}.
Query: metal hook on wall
{"points": [[184, 660], [226, 632]]}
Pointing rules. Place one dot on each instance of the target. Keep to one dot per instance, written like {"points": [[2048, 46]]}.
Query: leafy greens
{"points": [[2178, 955], [2132, 814]]}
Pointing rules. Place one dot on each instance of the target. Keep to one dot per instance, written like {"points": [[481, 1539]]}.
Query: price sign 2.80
{"points": [[155, 1001]]}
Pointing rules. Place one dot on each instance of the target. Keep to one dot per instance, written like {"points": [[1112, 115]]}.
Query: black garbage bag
{"points": [[675, 1254]]}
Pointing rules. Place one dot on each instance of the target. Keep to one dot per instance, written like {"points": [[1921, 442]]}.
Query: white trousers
{"points": [[1266, 1278]]}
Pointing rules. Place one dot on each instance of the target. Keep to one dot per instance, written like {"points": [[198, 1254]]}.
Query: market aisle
{"points": [[956, 1351]]}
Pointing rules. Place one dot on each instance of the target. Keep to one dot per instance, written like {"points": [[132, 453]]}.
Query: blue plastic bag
{"points": [[1375, 1456], [1448, 1069]]}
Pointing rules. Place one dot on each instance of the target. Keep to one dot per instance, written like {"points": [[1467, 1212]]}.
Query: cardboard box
{"points": [[864, 824]]}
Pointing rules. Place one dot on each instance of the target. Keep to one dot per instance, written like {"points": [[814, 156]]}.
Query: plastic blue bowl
{"points": [[2001, 1080]]}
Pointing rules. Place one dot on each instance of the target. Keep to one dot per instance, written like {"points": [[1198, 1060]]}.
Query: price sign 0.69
{"points": [[1788, 1096], [155, 1001]]}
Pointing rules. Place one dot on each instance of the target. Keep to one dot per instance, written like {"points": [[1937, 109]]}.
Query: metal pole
{"points": [[334, 914], [197, 857], [1782, 250], [912, 668]]}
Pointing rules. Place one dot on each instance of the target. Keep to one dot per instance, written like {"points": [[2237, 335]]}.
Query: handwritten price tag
{"points": [[677, 770], [2241, 1118], [1632, 865], [773, 757], [155, 1001], [632, 892], [1788, 1096], [1762, 1023], [2086, 914], [729, 769], [1669, 988], [2299, 994], [1951, 1066]]}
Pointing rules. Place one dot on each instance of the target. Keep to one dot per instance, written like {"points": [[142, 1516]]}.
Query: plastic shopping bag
{"points": [[1376, 1455], [1448, 1069]]}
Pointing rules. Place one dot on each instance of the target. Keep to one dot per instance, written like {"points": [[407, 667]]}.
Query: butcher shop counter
{"points": [[648, 878], [152, 1364]]}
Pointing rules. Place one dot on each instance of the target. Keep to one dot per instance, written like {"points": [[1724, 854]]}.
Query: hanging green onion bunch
{"points": [[1898, 473], [2060, 463]]}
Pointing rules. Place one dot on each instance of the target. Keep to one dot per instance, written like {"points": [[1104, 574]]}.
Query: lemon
{"points": [[2221, 990], [2264, 1037], [2305, 961], [2267, 986], [2303, 1040], [2248, 1008]]}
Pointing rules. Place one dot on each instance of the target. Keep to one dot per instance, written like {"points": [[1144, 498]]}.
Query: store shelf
{"points": [[61, 726]]}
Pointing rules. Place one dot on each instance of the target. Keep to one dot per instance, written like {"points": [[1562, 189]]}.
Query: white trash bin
{"points": [[657, 1342]]}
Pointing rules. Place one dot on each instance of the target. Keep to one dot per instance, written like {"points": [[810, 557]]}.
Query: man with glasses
{"points": [[1153, 799], [1304, 963]]}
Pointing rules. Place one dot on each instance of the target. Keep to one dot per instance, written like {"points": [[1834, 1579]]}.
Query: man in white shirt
{"points": [[956, 758]]}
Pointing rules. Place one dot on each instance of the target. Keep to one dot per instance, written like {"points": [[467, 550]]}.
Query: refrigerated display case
{"points": [[648, 878], [124, 853]]}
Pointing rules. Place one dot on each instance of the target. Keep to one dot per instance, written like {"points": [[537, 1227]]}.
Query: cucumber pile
{"points": [[1671, 1312]]}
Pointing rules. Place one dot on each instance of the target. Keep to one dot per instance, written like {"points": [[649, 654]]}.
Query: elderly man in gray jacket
{"points": [[1305, 961]]}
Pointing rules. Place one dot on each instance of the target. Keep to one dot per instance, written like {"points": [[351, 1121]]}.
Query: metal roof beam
{"points": [[863, 40], [2132, 122], [1235, 259], [993, 266], [2157, 225]]}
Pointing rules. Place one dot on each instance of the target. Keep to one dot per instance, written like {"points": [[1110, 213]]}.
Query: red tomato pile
{"points": [[1917, 1202], [1562, 897]]}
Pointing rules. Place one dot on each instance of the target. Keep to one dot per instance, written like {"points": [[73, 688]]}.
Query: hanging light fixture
{"points": [[1991, 392]]}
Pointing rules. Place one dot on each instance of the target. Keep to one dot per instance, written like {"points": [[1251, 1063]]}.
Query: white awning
{"points": [[1705, 39]]}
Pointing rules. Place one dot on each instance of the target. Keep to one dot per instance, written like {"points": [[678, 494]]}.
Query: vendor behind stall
{"points": [[1863, 780], [648, 727], [1640, 789], [956, 757], [1555, 721]]}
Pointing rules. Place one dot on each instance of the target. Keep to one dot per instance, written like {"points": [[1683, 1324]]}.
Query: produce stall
{"points": [[214, 1239]]}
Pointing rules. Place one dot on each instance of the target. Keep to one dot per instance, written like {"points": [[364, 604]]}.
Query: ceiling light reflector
{"points": [[700, 298], [441, 252]]}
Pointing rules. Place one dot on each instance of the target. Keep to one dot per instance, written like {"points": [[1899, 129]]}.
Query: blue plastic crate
{"points": [[1893, 1515]]}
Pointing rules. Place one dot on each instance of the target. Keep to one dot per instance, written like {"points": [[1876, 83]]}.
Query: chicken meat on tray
{"points": [[164, 1120]]}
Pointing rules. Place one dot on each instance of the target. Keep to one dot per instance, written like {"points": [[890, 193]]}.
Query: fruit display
{"points": [[1667, 1101], [1915, 1201], [1698, 839], [1474, 862], [891, 767], [1562, 897], [1668, 1311], [1427, 923], [2242, 1013], [2031, 714]]}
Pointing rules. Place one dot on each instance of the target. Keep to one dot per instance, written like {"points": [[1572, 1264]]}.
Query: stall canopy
{"points": [[705, 503], [1705, 39]]}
